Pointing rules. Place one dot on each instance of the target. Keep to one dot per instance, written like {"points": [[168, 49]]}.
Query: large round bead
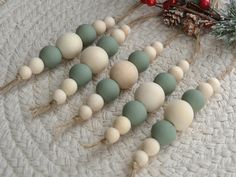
{"points": [[81, 73], [51, 56], [87, 33], [100, 27], [140, 59], [164, 132], [109, 44], [195, 98], [118, 35], [206, 89], [180, 113], [151, 95], [166, 81], [96, 58], [108, 89], [151, 146], [135, 111], [124, 73], [70, 45]]}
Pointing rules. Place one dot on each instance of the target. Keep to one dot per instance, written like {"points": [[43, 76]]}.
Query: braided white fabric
{"points": [[27, 146]]}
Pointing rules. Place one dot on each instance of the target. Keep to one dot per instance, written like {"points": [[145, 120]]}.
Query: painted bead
{"points": [[158, 46], [177, 72], [36, 65], [95, 102], [81, 73], [110, 22], [141, 158], [164, 132], [135, 111], [95, 57], [215, 83], [69, 86], [151, 146], [109, 44], [122, 124], [59, 96], [87, 33], [112, 135], [140, 59], [151, 95], [124, 73], [166, 81], [70, 45], [195, 98], [51, 56], [25, 72], [100, 27], [179, 113], [151, 52], [108, 89], [126, 29], [184, 65], [206, 89], [118, 35], [85, 112]]}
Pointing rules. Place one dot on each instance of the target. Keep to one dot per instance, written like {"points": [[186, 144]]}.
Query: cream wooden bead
{"points": [[95, 102], [85, 112], [206, 89], [141, 158], [59, 96], [158, 46], [151, 146], [151, 53], [100, 27], [184, 65], [151, 95], [36, 65], [126, 29], [122, 124], [112, 135], [118, 35], [215, 83], [124, 73], [177, 72], [69, 86], [96, 58], [70, 45], [179, 113], [110, 22], [25, 72]]}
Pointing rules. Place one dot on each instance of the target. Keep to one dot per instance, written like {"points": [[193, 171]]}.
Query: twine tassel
{"points": [[6, 88], [134, 169], [43, 109], [102, 141]]}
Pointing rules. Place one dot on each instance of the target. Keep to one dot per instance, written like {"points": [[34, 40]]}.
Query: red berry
{"points": [[151, 2], [143, 1], [205, 4]]}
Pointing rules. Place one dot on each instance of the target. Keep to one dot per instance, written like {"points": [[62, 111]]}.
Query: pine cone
{"points": [[191, 24], [172, 17]]}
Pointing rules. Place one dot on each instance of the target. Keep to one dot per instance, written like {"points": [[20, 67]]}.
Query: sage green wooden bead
{"points": [[166, 81], [195, 98], [140, 60], [164, 132], [135, 111], [51, 56], [87, 33], [81, 73], [108, 89], [109, 44]]}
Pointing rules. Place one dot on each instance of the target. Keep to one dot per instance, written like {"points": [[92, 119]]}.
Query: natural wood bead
{"points": [[110, 22], [69, 86], [141, 158], [177, 72], [184, 65], [95, 102], [152, 54], [100, 27], [36, 65], [118, 35], [215, 83], [151, 146], [158, 46], [112, 135], [85, 112], [206, 89], [25, 72], [122, 124], [59, 96], [126, 29]]}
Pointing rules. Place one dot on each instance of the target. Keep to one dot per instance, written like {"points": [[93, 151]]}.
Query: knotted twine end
{"points": [[43, 109]]}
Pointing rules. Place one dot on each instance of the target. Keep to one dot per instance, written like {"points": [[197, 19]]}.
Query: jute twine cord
{"points": [[43, 109], [6, 88]]}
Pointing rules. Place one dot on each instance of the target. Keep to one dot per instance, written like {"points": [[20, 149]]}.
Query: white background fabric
{"points": [[27, 148]]}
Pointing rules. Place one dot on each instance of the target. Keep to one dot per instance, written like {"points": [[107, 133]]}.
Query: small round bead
{"points": [[87, 33], [109, 44], [141, 158], [140, 59], [69, 86], [85, 112], [158, 46], [70, 45], [25, 72], [110, 22], [112, 135], [151, 146], [96, 58], [184, 65], [95, 102], [151, 52], [124, 73], [180, 113], [122, 124], [151, 95], [215, 83], [118, 35], [177, 72], [126, 29], [59, 96], [206, 89], [36, 65], [100, 27]]}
